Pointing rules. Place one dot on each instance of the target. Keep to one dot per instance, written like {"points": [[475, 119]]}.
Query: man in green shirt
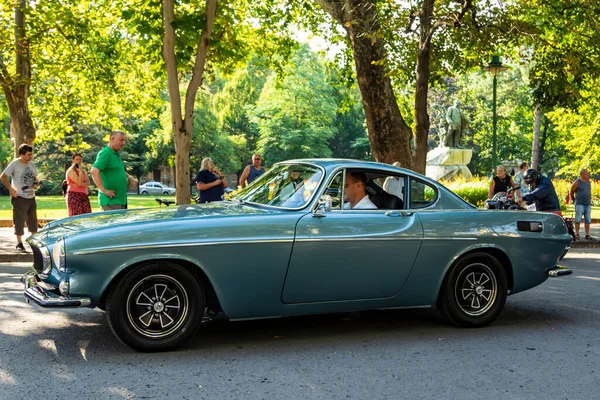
{"points": [[109, 175]]}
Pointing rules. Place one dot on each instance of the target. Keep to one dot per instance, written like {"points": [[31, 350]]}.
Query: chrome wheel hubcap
{"points": [[157, 306], [476, 289]]}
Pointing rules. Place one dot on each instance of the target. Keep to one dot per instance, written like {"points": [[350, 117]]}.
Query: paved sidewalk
{"points": [[9, 253], [8, 243]]}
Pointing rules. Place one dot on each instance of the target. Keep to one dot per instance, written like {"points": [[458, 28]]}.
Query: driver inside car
{"points": [[355, 192]]}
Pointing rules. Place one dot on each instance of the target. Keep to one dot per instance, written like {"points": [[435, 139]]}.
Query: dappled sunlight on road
{"points": [[586, 254], [120, 392], [591, 278], [6, 378]]}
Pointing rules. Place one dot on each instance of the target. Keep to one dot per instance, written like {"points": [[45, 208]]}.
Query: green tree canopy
{"points": [[295, 115]]}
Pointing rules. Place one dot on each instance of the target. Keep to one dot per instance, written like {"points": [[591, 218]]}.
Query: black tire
{"points": [[165, 192], [144, 323], [474, 292], [144, 192]]}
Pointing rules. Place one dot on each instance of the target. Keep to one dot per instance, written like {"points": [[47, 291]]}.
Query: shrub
{"points": [[48, 188], [474, 191]]}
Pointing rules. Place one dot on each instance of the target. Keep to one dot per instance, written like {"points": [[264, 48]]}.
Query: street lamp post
{"points": [[495, 67]]}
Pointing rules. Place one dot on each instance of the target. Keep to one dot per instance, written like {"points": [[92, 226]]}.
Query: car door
{"points": [[351, 254]]}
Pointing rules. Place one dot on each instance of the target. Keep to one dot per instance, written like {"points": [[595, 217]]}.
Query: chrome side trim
{"points": [[266, 241], [450, 238], [355, 239], [195, 244]]}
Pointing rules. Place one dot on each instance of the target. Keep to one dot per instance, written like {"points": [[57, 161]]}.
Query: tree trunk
{"points": [[422, 82], [389, 135], [543, 139], [16, 87], [21, 124], [183, 127], [535, 146]]}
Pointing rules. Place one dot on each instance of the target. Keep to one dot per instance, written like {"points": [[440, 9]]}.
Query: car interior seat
{"points": [[387, 201]]}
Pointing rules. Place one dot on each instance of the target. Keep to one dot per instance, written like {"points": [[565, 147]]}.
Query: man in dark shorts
{"points": [[22, 192]]}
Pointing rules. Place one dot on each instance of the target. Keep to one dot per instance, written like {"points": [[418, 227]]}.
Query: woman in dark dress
{"points": [[501, 182], [210, 182]]}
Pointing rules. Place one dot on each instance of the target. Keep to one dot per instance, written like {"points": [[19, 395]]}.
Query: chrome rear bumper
{"points": [[46, 296], [559, 270]]}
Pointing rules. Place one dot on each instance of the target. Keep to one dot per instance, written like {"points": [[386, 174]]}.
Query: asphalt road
{"points": [[545, 345]]}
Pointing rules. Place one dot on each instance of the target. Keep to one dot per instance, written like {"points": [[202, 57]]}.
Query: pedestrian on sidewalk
{"points": [[109, 175], [518, 180], [22, 192], [77, 198], [581, 192], [251, 172]]}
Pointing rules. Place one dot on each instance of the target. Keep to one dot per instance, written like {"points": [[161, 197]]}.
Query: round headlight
{"points": [[58, 255]]}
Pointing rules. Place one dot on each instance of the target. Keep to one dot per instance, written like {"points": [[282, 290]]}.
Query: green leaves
{"points": [[295, 115]]}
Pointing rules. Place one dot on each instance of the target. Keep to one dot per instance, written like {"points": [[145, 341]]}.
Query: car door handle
{"points": [[392, 213], [407, 213]]}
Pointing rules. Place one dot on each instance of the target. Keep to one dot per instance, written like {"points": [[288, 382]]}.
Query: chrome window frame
{"points": [[310, 202], [429, 206]]}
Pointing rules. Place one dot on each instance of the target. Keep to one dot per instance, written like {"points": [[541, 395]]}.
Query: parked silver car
{"points": [[156, 188]]}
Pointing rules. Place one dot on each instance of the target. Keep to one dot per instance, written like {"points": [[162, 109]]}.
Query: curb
{"points": [[8, 223], [16, 258], [585, 244]]}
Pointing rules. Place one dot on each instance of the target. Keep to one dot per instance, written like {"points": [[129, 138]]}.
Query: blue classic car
{"points": [[289, 245]]}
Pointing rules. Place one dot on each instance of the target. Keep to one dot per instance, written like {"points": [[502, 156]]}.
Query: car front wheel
{"points": [[155, 307], [474, 292]]}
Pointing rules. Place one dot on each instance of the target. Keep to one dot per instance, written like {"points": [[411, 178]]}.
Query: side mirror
{"points": [[325, 203]]}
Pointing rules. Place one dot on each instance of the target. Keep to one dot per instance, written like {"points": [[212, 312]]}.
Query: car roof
{"points": [[329, 163]]}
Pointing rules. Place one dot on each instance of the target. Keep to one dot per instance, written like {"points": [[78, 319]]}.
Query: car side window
{"points": [[422, 194]]}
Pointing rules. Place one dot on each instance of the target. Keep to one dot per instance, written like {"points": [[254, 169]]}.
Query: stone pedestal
{"points": [[448, 163]]}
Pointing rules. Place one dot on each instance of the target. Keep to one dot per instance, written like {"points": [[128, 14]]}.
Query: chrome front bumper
{"points": [[45, 295], [559, 270]]}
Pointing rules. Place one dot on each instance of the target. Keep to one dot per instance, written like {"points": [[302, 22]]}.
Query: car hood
{"points": [[115, 219]]}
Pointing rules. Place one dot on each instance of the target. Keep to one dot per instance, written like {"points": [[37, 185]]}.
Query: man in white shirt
{"points": [[355, 191], [394, 184]]}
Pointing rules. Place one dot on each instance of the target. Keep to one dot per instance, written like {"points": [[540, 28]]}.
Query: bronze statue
{"points": [[457, 123]]}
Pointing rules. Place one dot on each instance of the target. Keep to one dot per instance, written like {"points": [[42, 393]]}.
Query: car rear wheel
{"points": [[155, 307], [474, 292], [144, 192], [165, 192]]}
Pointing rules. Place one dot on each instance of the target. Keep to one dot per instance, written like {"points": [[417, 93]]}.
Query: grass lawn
{"points": [[54, 207]]}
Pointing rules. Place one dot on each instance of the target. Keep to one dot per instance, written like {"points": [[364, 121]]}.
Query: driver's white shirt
{"points": [[364, 203]]}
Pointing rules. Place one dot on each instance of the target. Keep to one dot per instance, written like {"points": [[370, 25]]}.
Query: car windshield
{"points": [[284, 185]]}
